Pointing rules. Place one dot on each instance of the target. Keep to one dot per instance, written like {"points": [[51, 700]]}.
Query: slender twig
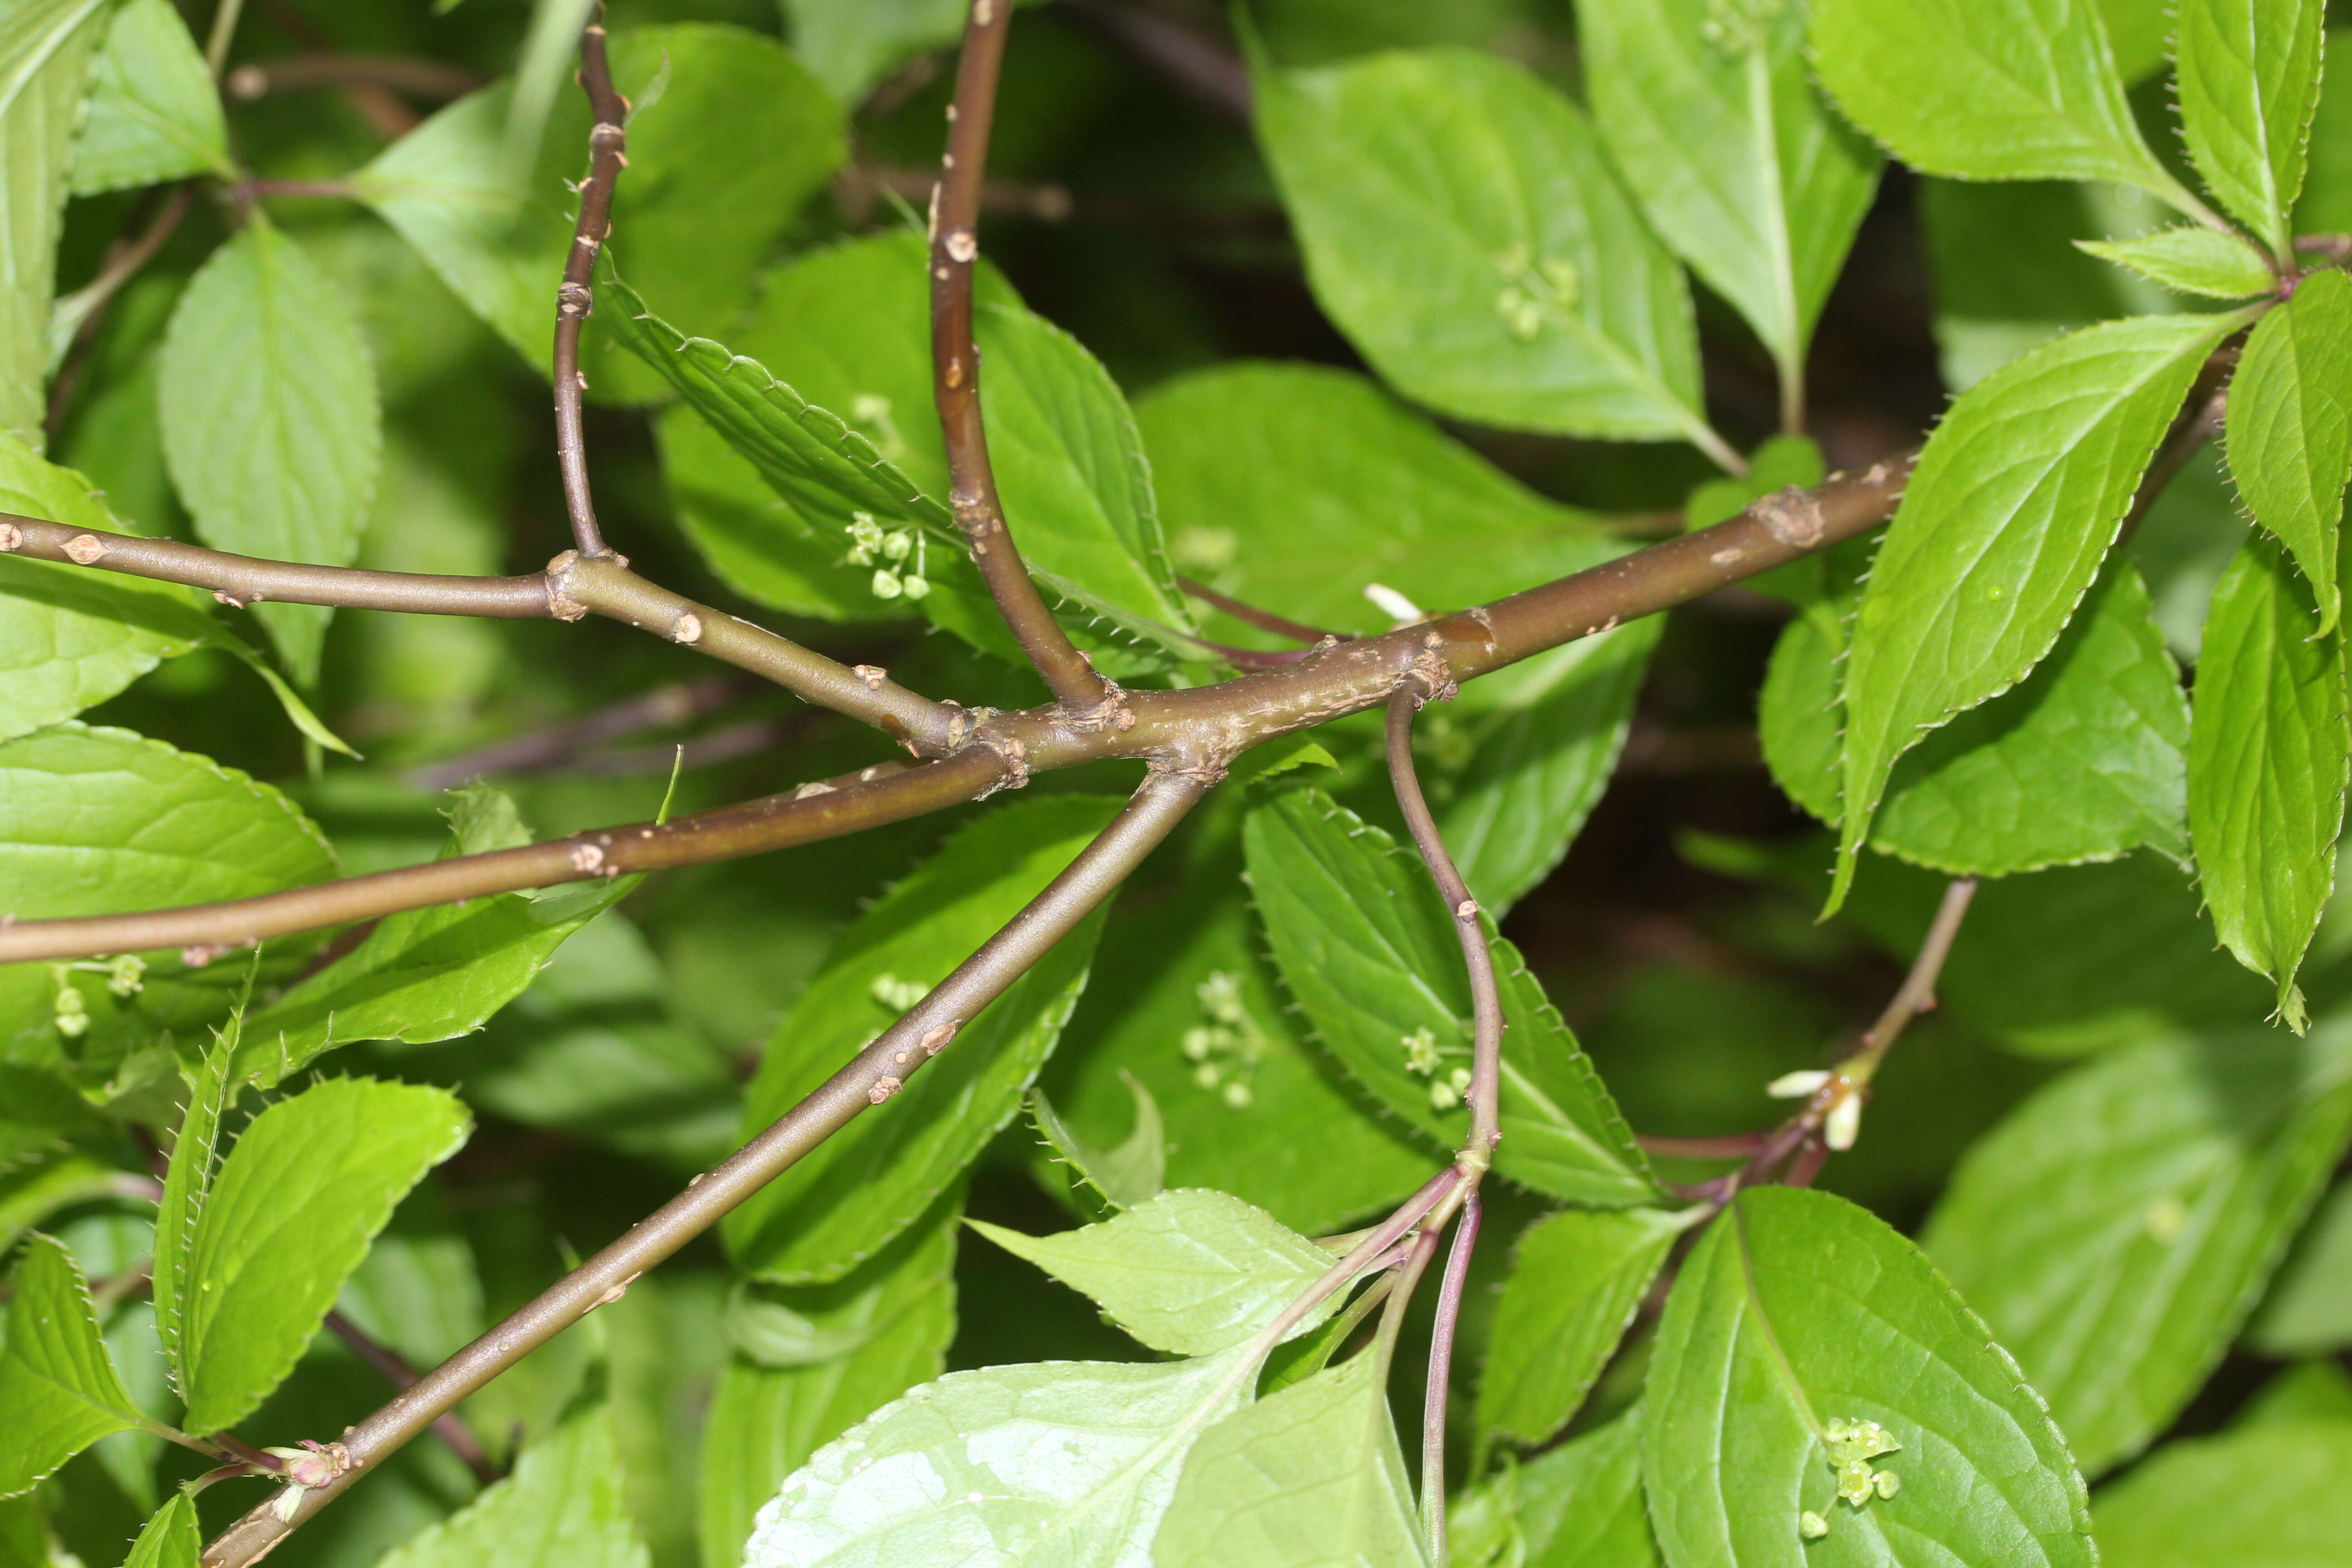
{"points": [[1441, 1377], [1738, 1146], [1483, 1095], [248, 191], [86, 305], [955, 369], [418, 78], [1209, 724], [829, 809], [569, 589], [871, 1078], [394, 1368], [607, 145], [2199, 422], [379, 106], [1917, 994], [1795, 1151], [1263, 620]]}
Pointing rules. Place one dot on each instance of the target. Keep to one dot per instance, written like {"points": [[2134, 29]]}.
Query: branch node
{"points": [[560, 601], [884, 1087], [12, 538], [1793, 517], [687, 629], [223, 596], [874, 675], [84, 549], [587, 859]]}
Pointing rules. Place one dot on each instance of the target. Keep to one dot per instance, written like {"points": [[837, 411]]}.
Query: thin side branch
{"points": [[830, 809], [1441, 1377], [1200, 727], [607, 156], [86, 306], [418, 78], [871, 1078], [955, 369], [1485, 1093], [1250, 614], [241, 580], [570, 588]]}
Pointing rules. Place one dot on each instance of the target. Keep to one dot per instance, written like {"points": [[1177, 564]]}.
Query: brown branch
{"points": [[382, 109], [1441, 1376], [1485, 1093], [955, 369], [607, 144], [241, 580], [829, 809], [1203, 726], [569, 589], [423, 79], [394, 1368], [871, 1078]]}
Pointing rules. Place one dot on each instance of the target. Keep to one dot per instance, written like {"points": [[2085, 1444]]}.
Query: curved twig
{"points": [[607, 156], [955, 369]]}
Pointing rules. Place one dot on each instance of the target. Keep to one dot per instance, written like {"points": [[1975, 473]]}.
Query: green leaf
{"points": [[1798, 1310], [2277, 1496], [1124, 1177], [187, 1184], [1192, 1271], [2248, 72], [2139, 32], [2312, 1390], [1075, 1461], [563, 1508], [2001, 530], [1366, 947], [593, 1048], [2118, 1227], [889, 1323], [1575, 1506], [2290, 428], [1576, 1279], [852, 47], [752, 537], [98, 821], [2083, 760], [1292, 487], [1713, 118], [423, 975], [46, 50], [2325, 204], [170, 1539], [1068, 445], [2309, 1308], [2189, 259], [270, 420], [843, 1200], [1310, 1474], [719, 166], [497, 239], [57, 1382], [1988, 89], [1461, 227], [2270, 755], [887, 1329], [308, 1185], [72, 637], [155, 114], [849, 327], [1249, 1107]]}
